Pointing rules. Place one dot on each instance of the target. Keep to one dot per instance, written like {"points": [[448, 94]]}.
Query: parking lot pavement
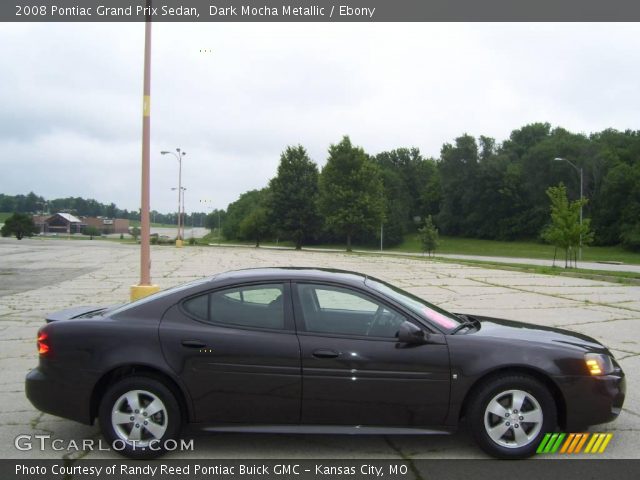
{"points": [[39, 276]]}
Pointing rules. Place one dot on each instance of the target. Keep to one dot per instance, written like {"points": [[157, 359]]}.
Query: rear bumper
{"points": [[58, 397], [591, 400]]}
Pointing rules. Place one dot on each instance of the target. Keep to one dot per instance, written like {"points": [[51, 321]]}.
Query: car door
{"points": [[355, 372], [236, 350]]}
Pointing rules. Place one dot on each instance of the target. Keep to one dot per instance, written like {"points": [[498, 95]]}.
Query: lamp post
{"points": [[145, 287], [180, 212], [580, 172], [179, 154]]}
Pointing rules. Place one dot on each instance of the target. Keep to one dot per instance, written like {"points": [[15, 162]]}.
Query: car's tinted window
{"points": [[198, 306], [259, 306], [336, 310]]}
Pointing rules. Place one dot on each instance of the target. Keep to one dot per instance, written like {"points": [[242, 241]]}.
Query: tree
{"points": [[255, 225], [135, 232], [428, 234], [565, 231], [215, 220], [351, 191], [91, 231], [19, 224], [294, 196], [458, 165], [239, 210]]}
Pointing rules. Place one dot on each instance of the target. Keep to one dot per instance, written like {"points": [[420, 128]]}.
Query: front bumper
{"points": [[57, 396], [591, 400]]}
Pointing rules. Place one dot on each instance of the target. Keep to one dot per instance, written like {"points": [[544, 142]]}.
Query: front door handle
{"points": [[193, 343], [325, 353]]}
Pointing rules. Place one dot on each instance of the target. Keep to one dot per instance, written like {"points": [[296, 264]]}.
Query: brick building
{"points": [[108, 225], [65, 223]]}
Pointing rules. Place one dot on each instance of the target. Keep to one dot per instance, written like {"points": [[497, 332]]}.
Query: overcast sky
{"points": [[71, 97]]}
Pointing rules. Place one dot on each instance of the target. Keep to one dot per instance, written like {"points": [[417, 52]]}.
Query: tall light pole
{"points": [[180, 205], [579, 170], [179, 154], [145, 287]]}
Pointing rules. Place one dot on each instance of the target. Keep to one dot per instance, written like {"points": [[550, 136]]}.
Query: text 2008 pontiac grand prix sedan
{"points": [[301, 350]]}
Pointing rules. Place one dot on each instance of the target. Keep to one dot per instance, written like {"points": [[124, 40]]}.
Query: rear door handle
{"points": [[325, 353], [193, 343]]}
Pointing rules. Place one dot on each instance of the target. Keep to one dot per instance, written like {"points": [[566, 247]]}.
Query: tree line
{"points": [[477, 188], [36, 204]]}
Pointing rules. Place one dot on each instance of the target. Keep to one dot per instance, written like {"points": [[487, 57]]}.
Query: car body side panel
{"points": [[374, 382], [474, 356], [240, 375], [83, 350]]}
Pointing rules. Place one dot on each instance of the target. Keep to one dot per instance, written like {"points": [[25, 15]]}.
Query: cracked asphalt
{"points": [[40, 276]]}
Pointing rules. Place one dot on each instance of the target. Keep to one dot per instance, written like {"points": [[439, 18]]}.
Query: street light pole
{"points": [[178, 156], [145, 287], [579, 170]]}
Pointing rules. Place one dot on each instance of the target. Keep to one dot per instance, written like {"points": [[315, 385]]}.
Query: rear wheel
{"points": [[510, 414], [138, 415]]}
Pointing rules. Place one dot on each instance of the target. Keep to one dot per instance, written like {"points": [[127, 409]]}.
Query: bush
{"points": [[19, 224], [192, 241], [91, 232], [631, 238]]}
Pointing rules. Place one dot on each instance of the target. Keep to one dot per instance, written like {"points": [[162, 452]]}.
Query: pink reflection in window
{"points": [[438, 318]]}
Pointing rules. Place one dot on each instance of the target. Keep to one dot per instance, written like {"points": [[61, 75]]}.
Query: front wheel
{"points": [[138, 415], [510, 414]]}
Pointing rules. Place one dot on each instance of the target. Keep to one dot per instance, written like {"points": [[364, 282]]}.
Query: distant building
{"points": [[66, 223], [63, 223], [108, 225]]}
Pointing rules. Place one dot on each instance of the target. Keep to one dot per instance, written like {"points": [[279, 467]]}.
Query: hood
{"points": [[510, 329]]}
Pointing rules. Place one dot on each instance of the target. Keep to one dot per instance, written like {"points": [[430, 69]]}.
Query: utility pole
{"points": [[145, 287]]}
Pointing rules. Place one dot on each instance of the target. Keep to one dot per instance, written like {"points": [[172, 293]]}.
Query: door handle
{"points": [[325, 353], [193, 343]]}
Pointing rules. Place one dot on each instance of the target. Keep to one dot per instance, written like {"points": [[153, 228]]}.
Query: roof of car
{"points": [[293, 273]]}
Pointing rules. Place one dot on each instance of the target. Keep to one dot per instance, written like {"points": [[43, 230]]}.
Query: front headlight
{"points": [[598, 364]]}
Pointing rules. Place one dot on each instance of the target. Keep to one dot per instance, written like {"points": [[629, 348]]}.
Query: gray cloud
{"points": [[70, 121]]}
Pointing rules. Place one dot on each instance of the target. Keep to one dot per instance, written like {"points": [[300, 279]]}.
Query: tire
{"points": [[510, 414], [138, 415]]}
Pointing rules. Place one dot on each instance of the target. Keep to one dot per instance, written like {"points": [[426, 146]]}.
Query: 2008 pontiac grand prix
{"points": [[302, 350]]}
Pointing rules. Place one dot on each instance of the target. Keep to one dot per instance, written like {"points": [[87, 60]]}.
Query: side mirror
{"points": [[411, 334]]}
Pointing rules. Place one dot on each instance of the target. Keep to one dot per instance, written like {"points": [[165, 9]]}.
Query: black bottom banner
{"points": [[539, 469]]}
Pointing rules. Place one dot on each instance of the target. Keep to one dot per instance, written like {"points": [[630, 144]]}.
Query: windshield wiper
{"points": [[467, 322]]}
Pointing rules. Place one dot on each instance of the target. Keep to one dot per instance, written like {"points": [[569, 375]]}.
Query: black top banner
{"points": [[319, 10]]}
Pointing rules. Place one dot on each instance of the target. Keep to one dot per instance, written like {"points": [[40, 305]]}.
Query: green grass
{"points": [[519, 249], [470, 246], [4, 216]]}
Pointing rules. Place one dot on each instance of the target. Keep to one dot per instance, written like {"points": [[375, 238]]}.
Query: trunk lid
{"points": [[75, 312]]}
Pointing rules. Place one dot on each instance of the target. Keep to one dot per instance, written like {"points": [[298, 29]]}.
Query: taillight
{"points": [[43, 343]]}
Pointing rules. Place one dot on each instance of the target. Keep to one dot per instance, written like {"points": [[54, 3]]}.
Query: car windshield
{"points": [[429, 312]]}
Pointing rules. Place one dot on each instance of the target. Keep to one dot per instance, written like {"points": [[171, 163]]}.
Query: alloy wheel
{"points": [[513, 418], [139, 417]]}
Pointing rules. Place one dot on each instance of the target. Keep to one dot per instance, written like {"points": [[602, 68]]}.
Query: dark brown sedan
{"points": [[302, 350]]}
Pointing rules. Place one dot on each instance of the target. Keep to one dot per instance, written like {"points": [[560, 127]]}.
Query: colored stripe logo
{"points": [[573, 443]]}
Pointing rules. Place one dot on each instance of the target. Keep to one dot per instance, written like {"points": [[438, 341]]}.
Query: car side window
{"points": [[341, 311], [260, 306]]}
